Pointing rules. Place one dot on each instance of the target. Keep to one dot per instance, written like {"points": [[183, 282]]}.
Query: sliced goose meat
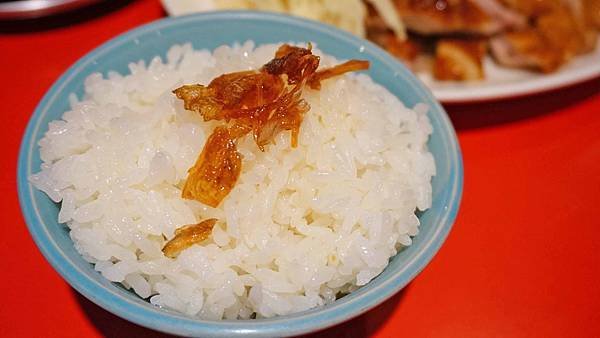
{"points": [[379, 32], [558, 32], [459, 60], [525, 49], [482, 17], [591, 9], [583, 13], [507, 17]]}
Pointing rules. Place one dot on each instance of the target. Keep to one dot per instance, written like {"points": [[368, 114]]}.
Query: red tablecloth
{"points": [[522, 260]]}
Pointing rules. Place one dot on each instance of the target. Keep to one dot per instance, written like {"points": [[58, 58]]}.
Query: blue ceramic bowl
{"points": [[209, 31]]}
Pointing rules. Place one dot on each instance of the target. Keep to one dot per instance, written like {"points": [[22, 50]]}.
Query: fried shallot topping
{"points": [[349, 66], [262, 102], [215, 171], [187, 236]]}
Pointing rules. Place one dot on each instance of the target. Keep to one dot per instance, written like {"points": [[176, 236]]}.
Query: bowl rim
{"points": [[295, 324]]}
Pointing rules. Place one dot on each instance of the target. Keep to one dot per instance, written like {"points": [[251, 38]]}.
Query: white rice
{"points": [[300, 226]]}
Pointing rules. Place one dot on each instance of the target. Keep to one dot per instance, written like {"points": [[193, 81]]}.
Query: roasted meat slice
{"points": [[407, 50], [558, 32], [591, 9], [503, 15], [482, 17], [586, 15], [532, 8], [560, 19], [382, 14], [378, 31], [562, 33], [525, 49], [459, 60]]}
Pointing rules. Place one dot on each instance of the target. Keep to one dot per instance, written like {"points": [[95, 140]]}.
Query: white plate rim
{"points": [[534, 85]]}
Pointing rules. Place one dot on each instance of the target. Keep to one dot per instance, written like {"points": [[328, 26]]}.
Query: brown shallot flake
{"points": [[187, 236], [296, 62], [262, 102], [216, 170], [349, 66]]}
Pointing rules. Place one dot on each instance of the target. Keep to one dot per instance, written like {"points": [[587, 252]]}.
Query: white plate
{"points": [[504, 82]]}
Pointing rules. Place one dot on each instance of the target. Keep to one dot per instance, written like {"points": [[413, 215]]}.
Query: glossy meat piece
{"points": [[482, 17], [533, 8], [558, 32], [586, 14], [407, 50], [563, 33], [591, 9], [459, 60], [525, 49], [503, 15], [379, 32], [562, 19], [385, 12]]}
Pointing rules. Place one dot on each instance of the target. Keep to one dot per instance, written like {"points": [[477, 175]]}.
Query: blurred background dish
{"points": [[503, 83], [31, 9], [464, 50]]}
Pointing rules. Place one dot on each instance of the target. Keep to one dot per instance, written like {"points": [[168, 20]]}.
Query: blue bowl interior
{"points": [[208, 31]]}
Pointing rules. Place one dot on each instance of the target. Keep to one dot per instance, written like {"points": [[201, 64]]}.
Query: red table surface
{"points": [[522, 259]]}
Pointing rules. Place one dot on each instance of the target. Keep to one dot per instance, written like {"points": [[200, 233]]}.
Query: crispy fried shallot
{"points": [[216, 170], [187, 236], [349, 66], [262, 102]]}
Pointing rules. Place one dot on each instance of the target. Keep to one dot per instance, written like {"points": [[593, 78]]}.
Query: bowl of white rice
{"points": [[311, 235]]}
